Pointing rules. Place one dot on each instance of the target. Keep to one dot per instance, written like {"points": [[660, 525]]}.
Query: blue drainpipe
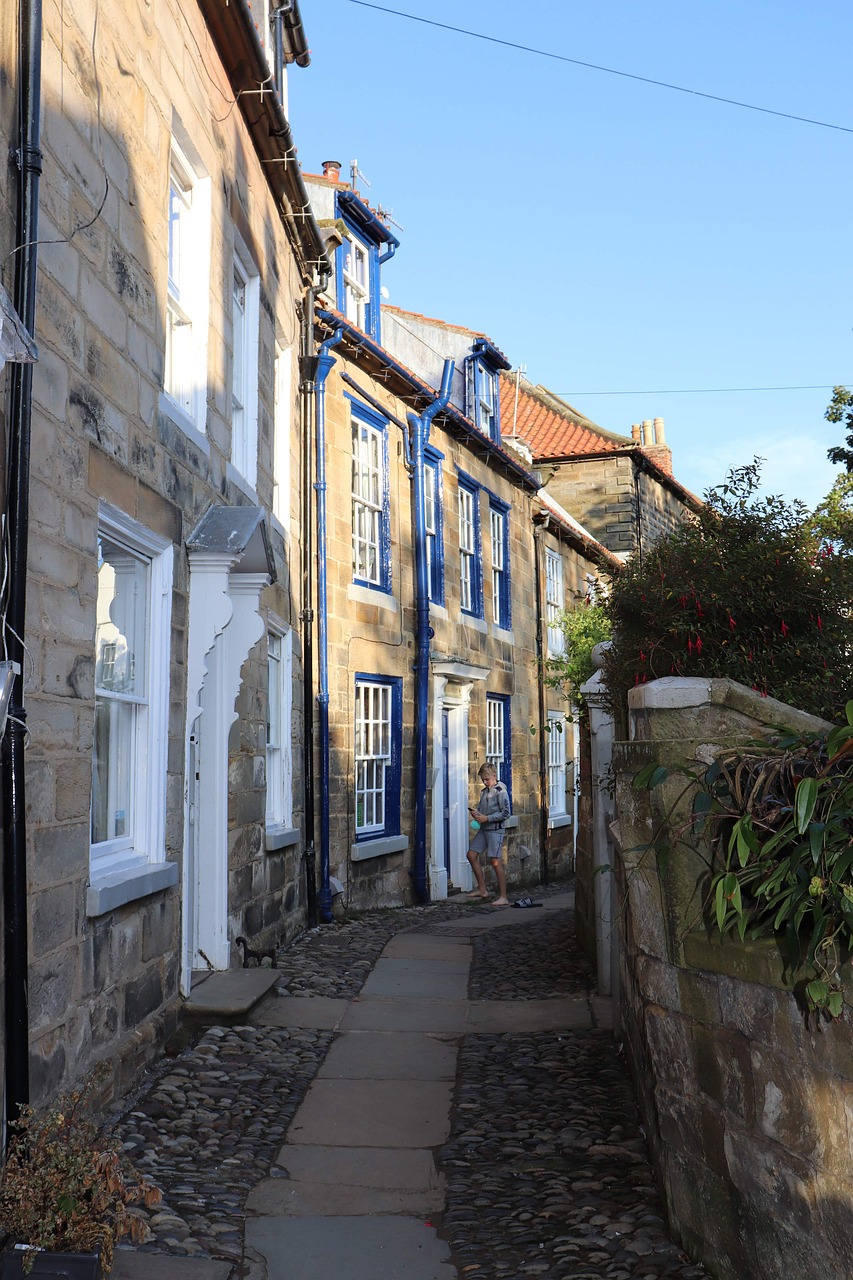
{"points": [[420, 425], [325, 362]]}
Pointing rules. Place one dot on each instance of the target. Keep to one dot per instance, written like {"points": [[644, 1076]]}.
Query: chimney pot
{"points": [[635, 432], [648, 437], [332, 170], [660, 437]]}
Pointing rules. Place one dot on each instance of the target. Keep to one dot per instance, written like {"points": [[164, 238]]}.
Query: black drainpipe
{"points": [[28, 159], [307, 376]]}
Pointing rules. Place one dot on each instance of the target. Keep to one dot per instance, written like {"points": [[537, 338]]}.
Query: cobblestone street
{"points": [[544, 1169]]}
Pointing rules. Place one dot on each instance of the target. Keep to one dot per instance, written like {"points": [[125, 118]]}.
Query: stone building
{"points": [[621, 488], [416, 701], [176, 255]]}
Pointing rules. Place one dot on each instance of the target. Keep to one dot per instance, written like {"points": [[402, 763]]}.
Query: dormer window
{"points": [[367, 243], [356, 277], [482, 399]]}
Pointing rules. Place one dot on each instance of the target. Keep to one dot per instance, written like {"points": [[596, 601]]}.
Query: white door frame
{"points": [[453, 685]]}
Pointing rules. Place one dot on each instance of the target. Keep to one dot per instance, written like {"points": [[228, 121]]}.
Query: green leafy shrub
{"points": [[750, 589], [583, 627], [780, 820]]}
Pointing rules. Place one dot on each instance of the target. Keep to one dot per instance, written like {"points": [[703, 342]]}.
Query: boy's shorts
{"points": [[487, 842]]}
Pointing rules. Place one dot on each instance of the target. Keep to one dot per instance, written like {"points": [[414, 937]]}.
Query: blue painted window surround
{"points": [[470, 548], [501, 599], [358, 262], [482, 397], [378, 747], [434, 524], [371, 507], [499, 738]]}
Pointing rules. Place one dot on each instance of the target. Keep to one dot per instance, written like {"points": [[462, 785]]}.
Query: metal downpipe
{"points": [[307, 376], [420, 424], [29, 161], [544, 841], [325, 363]]}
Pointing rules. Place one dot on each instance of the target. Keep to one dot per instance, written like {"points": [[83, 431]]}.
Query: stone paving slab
{"points": [[381, 1167], [387, 1248], [515, 1017], [441, 1017], [389, 1055], [323, 1013], [230, 994], [374, 1113], [418, 979], [425, 946], [278, 1196], [129, 1265]]}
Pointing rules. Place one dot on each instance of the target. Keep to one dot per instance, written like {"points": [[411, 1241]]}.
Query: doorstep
{"points": [[229, 995]]}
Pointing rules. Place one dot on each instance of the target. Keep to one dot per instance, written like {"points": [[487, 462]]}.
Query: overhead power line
{"points": [[594, 66], [697, 391]]}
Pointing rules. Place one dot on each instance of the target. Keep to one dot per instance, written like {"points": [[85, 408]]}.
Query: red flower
{"points": [[785, 627], [698, 644], [732, 623], [819, 623], [689, 645]]}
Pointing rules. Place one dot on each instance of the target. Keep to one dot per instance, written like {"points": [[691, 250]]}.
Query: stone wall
{"points": [[106, 986], [748, 1108]]}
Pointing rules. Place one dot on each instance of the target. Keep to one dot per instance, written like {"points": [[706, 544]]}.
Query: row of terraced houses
{"points": [[280, 568]]}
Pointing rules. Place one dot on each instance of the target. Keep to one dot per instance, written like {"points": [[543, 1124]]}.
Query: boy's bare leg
{"points": [[501, 900], [481, 891]]}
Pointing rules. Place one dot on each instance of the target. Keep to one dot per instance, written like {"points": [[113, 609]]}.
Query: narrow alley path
{"points": [[434, 1094]]}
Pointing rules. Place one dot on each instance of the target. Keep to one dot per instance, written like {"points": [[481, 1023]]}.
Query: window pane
{"points": [[122, 620], [114, 761]]}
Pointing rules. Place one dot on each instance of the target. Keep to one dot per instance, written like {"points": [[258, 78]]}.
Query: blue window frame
{"points": [[368, 243], [433, 501], [499, 738], [482, 393], [499, 525], [378, 747], [371, 506], [470, 548]]}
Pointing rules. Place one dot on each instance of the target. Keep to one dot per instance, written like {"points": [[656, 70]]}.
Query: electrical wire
{"points": [[696, 391], [594, 66]]}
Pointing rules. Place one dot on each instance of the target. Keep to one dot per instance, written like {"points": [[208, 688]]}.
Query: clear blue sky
{"points": [[610, 235]]}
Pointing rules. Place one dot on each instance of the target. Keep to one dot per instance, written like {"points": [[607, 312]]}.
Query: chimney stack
{"points": [[652, 438], [332, 170]]}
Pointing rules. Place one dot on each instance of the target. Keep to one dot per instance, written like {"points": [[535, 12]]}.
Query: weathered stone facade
{"points": [[745, 1101], [104, 979]]}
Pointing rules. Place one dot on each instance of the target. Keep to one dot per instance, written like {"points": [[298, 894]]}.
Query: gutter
{"points": [[325, 364], [420, 425], [29, 162], [452, 415], [238, 44]]}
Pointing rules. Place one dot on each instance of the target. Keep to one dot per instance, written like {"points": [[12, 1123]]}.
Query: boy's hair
{"points": [[487, 768]]}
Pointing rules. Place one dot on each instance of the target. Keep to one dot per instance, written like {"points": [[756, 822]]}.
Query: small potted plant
{"points": [[67, 1194]]}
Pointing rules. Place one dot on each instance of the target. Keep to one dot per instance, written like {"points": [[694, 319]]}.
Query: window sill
{"points": [[560, 820], [511, 822], [503, 633], [120, 887], [478, 624], [240, 482], [378, 848], [372, 595], [281, 837], [438, 611], [175, 414]]}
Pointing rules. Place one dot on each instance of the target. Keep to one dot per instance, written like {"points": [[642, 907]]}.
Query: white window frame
{"points": [[555, 602], [368, 511], [244, 363], [356, 291], [145, 840], [557, 765], [279, 809], [282, 423], [486, 400], [467, 548], [497, 521], [373, 746], [188, 292]]}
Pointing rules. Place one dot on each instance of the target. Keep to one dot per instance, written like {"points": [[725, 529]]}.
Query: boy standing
{"points": [[492, 813]]}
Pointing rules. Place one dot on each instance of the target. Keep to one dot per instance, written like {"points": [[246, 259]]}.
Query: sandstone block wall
{"points": [[746, 1103]]}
